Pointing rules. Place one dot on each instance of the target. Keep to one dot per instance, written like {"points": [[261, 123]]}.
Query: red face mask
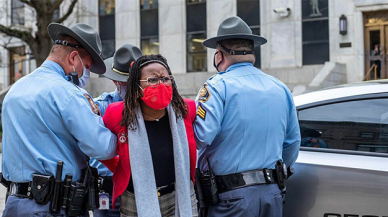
{"points": [[158, 97]]}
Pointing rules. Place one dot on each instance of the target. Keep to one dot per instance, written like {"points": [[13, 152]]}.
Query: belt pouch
{"points": [[42, 188], [77, 199]]}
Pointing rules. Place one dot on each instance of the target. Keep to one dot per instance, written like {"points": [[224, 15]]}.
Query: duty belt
{"points": [[22, 190], [245, 179]]}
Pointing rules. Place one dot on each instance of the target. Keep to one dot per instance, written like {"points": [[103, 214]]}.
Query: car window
{"points": [[356, 125]]}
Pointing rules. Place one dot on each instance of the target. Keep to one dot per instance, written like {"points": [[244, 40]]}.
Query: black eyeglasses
{"points": [[155, 81]]}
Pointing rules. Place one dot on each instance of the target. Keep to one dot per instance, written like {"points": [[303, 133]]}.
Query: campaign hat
{"points": [[233, 28], [87, 37], [118, 66]]}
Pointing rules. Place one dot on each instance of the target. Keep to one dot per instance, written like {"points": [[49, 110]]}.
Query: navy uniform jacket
{"points": [[102, 102], [45, 119], [245, 120]]}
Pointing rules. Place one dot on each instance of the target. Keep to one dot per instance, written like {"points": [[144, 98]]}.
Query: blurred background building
{"points": [[312, 44]]}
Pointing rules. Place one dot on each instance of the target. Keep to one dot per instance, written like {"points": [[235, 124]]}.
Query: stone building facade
{"points": [[312, 44]]}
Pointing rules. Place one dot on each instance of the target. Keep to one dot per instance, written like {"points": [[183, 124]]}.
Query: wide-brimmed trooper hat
{"points": [[234, 28], [117, 67], [87, 37]]}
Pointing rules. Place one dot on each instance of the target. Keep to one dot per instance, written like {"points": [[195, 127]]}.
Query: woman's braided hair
{"points": [[133, 95]]}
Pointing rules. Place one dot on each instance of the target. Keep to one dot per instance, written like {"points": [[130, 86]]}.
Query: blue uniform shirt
{"points": [[47, 119], [245, 120], [105, 99], [102, 102]]}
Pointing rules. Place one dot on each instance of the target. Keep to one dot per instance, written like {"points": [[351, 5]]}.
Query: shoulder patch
{"points": [[94, 106], [201, 112], [204, 94]]}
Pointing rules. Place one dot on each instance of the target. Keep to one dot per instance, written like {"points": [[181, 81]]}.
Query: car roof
{"points": [[341, 91]]}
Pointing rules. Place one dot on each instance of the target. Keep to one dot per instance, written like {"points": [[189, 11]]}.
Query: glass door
{"points": [[376, 45], [375, 53]]}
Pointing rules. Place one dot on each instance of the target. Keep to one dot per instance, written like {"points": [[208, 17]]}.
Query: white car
{"points": [[342, 168]]}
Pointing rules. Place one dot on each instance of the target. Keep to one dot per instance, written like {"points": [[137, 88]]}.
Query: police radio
{"points": [[73, 78]]}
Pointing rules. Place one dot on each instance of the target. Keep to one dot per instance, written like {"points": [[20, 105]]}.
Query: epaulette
{"points": [[102, 97], [212, 77]]}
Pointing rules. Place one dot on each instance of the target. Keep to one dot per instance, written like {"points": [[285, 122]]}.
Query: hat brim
{"points": [[112, 74], [56, 30], [212, 42]]}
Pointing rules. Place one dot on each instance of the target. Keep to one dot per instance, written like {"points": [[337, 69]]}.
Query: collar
{"points": [[54, 67], [236, 65], [116, 97]]}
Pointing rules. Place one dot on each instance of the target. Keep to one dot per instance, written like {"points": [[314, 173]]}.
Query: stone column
{"points": [[172, 33], [127, 20], [216, 12], [283, 34], [86, 11]]}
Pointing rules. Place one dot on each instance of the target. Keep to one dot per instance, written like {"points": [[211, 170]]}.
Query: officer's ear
{"points": [[72, 57], [117, 84]]}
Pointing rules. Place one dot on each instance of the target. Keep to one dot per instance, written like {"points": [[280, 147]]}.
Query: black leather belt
{"points": [[163, 190], [22, 190], [244, 179]]}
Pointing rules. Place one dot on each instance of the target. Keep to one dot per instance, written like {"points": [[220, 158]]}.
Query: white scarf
{"points": [[142, 169]]}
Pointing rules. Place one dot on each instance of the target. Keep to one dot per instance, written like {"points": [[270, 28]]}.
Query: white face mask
{"points": [[85, 75]]}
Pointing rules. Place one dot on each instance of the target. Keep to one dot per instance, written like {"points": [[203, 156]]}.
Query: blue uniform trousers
{"points": [[21, 207], [252, 201]]}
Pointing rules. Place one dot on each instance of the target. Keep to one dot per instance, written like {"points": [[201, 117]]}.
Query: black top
{"points": [[161, 145]]}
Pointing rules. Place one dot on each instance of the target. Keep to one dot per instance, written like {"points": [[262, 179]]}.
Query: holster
{"points": [[209, 188], [281, 177], [3, 181], [42, 187], [202, 204], [93, 190], [83, 195]]}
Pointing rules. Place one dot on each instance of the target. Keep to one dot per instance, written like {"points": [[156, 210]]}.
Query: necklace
{"points": [[155, 119]]}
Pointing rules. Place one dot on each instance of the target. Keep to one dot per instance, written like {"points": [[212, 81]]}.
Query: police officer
{"points": [[117, 70], [246, 125], [48, 118]]}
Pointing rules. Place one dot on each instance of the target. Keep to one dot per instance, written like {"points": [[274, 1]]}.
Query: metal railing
{"points": [[367, 76]]}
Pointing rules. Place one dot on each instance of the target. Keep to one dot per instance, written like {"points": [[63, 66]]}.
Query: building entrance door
{"points": [[376, 45]]}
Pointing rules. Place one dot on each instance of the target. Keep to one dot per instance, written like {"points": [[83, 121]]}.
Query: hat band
{"points": [[119, 72], [65, 43], [232, 52]]}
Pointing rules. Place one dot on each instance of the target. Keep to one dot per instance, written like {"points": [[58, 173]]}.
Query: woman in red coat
{"points": [[155, 144]]}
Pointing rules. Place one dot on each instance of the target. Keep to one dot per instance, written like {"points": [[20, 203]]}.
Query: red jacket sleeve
{"points": [[190, 136], [110, 123], [111, 164]]}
